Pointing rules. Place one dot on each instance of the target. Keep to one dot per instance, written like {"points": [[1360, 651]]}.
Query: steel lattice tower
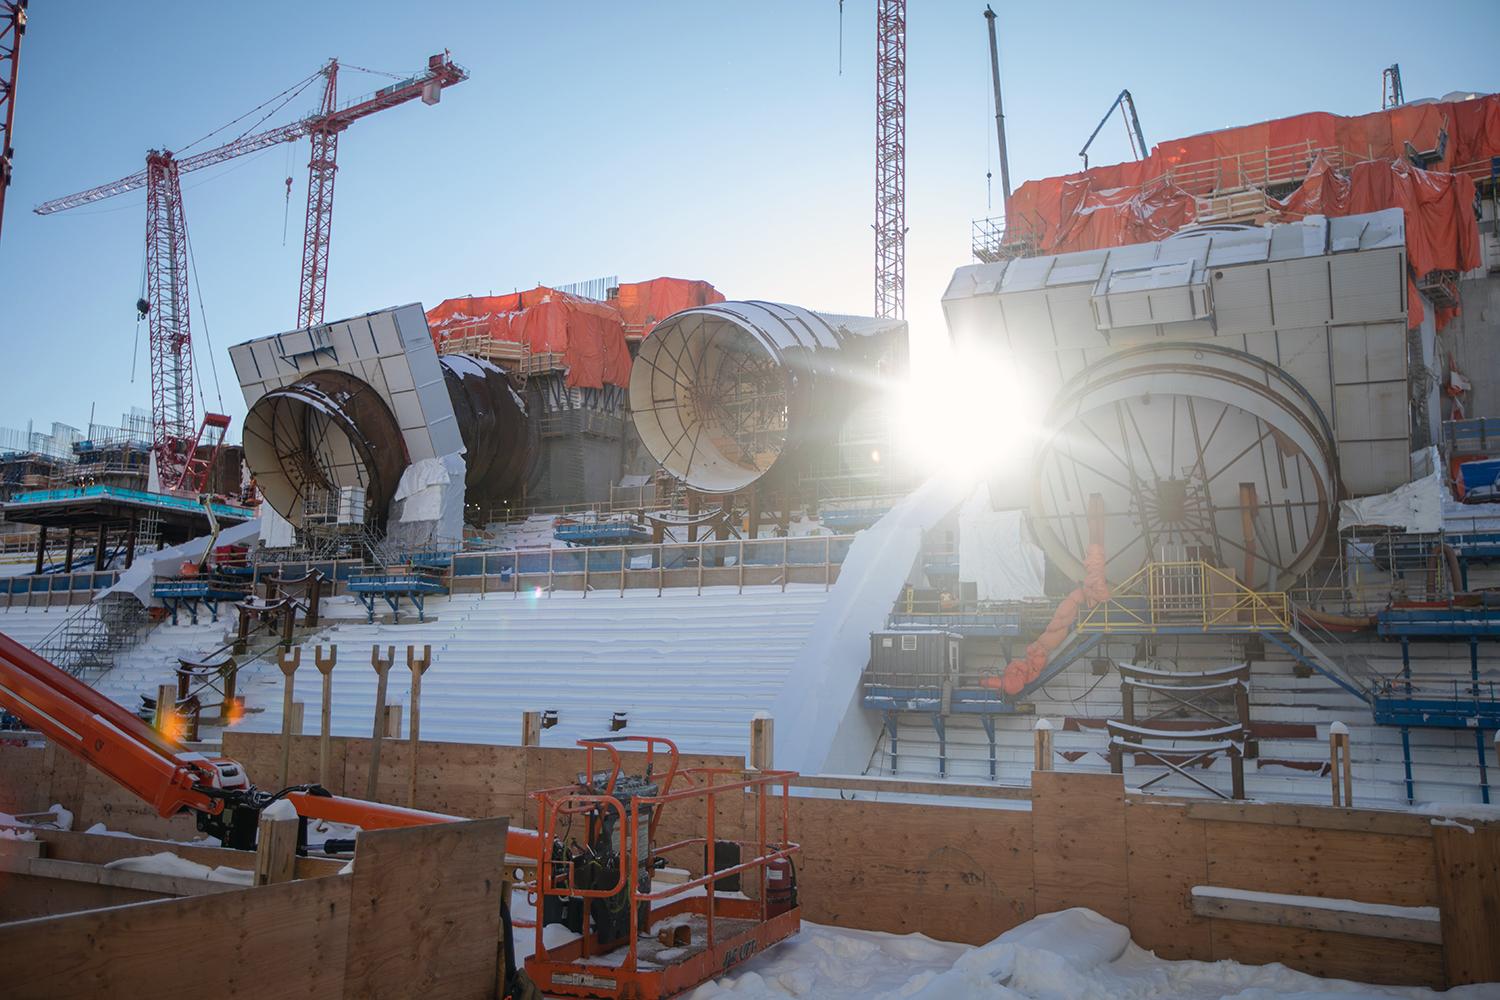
{"points": [[12, 28], [890, 159], [322, 165], [171, 338]]}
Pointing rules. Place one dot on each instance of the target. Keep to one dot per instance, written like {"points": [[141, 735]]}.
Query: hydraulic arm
{"points": [[169, 776]]}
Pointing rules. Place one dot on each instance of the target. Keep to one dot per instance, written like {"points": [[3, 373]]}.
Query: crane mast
{"points": [[890, 159], [12, 28], [321, 167], [166, 307]]}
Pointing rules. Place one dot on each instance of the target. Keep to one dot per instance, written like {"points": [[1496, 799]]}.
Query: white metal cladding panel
{"points": [[1369, 353], [1245, 247], [1027, 274], [383, 329], [1299, 292], [394, 373], [1303, 238], [1368, 467], [1303, 354], [1078, 268], [1367, 286], [1028, 320], [1242, 299], [1072, 316], [1371, 411]]}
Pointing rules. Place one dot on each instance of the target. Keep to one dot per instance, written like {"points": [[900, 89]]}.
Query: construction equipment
{"points": [[1391, 95], [600, 886], [1133, 132], [12, 28], [989, 17], [165, 304]]}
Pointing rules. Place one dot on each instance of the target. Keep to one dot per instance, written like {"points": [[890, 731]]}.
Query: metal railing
{"points": [[1187, 596], [738, 563]]}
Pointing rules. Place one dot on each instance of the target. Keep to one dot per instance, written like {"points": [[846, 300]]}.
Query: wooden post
{"points": [[314, 598], [382, 670], [393, 721], [242, 637], [418, 667], [531, 729], [325, 715], [166, 705], [276, 849], [288, 662], [762, 742], [1338, 747], [1248, 504], [288, 622], [1042, 735]]}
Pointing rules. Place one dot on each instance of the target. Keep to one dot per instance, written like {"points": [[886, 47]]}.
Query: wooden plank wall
{"points": [[418, 917], [969, 869]]}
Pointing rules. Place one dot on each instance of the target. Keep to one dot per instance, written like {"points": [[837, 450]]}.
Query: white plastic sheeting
{"points": [[137, 580], [821, 725], [995, 552], [1416, 507], [428, 505]]}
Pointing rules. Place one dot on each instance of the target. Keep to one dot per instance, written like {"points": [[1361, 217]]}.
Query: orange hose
{"points": [[1095, 588]]}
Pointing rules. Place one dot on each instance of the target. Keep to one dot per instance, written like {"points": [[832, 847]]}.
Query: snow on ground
{"points": [[1071, 955]]}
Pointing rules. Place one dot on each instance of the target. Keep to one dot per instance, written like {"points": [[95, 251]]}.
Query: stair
{"points": [[87, 641]]}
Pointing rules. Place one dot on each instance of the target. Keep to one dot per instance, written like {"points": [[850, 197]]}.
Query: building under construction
{"points": [[1206, 649]]}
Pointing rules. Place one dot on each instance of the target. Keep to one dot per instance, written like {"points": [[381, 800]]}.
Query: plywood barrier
{"points": [[965, 863], [418, 917]]}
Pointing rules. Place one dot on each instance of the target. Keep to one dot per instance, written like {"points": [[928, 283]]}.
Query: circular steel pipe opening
{"points": [[324, 432], [722, 394], [1199, 452]]}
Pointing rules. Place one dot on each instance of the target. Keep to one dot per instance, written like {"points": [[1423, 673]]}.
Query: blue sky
{"points": [[700, 139]]}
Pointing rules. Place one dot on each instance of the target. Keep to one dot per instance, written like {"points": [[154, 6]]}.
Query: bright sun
{"points": [[973, 415]]}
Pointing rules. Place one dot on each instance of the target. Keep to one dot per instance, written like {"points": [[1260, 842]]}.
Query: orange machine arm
{"points": [[378, 816], [79, 719], [162, 771]]}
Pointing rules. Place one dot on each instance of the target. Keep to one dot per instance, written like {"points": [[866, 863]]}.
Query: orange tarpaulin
{"points": [[1441, 234], [588, 334], [1145, 200]]}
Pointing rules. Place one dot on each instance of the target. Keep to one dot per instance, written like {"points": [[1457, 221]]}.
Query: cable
{"points": [[296, 86], [213, 365]]}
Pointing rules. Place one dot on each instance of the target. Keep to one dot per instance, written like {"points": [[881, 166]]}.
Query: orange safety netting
{"points": [[590, 336], [1146, 200]]}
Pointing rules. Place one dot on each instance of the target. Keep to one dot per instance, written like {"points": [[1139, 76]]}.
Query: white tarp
{"points": [[427, 509], [1416, 507], [137, 580], [995, 553]]}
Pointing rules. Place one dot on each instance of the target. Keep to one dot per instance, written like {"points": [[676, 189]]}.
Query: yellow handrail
{"points": [[1189, 595]]}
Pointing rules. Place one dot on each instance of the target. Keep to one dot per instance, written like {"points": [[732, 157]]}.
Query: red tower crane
{"points": [[890, 159], [184, 458], [12, 27]]}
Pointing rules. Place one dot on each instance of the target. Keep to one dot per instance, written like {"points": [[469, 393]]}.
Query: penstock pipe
{"points": [[379, 816]]}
